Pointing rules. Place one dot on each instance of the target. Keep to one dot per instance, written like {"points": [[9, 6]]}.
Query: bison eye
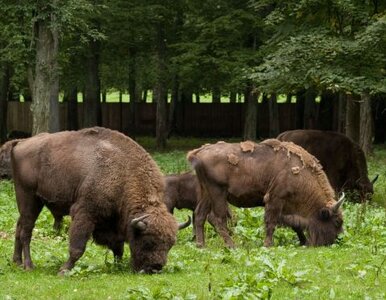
{"points": [[148, 245], [325, 214]]}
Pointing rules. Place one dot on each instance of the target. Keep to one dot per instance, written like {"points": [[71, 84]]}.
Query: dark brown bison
{"points": [[343, 160], [110, 186], [182, 191], [281, 176]]}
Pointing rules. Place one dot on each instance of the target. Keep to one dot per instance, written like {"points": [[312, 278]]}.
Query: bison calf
{"points": [[110, 186], [281, 176], [183, 191]]}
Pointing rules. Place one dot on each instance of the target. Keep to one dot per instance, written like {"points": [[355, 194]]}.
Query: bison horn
{"points": [[339, 203], [138, 222], [375, 179], [185, 224]]}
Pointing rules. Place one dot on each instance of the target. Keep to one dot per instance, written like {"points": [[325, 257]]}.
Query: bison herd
{"points": [[115, 192]]}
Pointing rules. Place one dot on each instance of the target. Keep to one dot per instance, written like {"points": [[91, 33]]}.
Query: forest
{"points": [[175, 75], [317, 54]]}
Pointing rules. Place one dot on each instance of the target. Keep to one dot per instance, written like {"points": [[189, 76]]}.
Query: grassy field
{"points": [[354, 268]]}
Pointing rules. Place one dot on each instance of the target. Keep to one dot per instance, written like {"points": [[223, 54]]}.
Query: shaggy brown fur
{"points": [[104, 180], [182, 191], [342, 159], [265, 176]]}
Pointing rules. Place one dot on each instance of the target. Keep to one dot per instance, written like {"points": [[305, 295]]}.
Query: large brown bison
{"points": [[343, 160], [281, 176], [182, 191], [109, 185]]}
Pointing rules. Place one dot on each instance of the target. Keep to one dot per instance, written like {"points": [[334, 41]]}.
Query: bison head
{"points": [[151, 239], [324, 228]]}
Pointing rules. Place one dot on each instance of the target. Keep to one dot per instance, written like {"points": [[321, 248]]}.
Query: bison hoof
{"points": [[28, 267], [18, 261], [231, 245], [63, 272], [200, 245]]}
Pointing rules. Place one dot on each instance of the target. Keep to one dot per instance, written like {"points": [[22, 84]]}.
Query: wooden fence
{"points": [[192, 119]]}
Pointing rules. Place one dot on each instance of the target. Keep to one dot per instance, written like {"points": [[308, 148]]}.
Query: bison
{"points": [[283, 177], [343, 160], [110, 186], [182, 191]]}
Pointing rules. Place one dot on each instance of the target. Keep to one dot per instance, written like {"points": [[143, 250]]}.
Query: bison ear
{"points": [[325, 213]]}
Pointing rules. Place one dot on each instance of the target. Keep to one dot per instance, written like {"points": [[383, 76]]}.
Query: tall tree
{"points": [[4, 90], [43, 77]]}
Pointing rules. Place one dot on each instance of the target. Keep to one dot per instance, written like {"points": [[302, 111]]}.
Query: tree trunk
{"points": [[132, 90], [104, 96], [72, 109], [273, 116], [288, 98], [4, 91], [366, 124], [326, 110], [300, 100], [92, 109], [44, 82], [352, 118], [341, 118], [250, 123], [379, 115], [310, 110], [232, 97], [198, 100], [161, 92], [144, 98], [216, 95], [172, 124]]}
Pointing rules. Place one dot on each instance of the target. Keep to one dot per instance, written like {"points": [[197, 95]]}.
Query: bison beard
{"points": [[282, 177], [109, 185]]}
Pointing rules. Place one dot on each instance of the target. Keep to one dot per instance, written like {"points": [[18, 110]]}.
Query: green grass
{"points": [[354, 268]]}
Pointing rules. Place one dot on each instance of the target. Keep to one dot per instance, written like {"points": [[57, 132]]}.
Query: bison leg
{"points": [[301, 236], [220, 224], [117, 249], [17, 253], [58, 223], [81, 229], [29, 209], [201, 212], [273, 209], [219, 215]]}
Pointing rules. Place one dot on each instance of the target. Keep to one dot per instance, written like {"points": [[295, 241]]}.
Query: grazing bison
{"points": [[281, 176], [343, 160], [110, 186], [182, 191]]}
